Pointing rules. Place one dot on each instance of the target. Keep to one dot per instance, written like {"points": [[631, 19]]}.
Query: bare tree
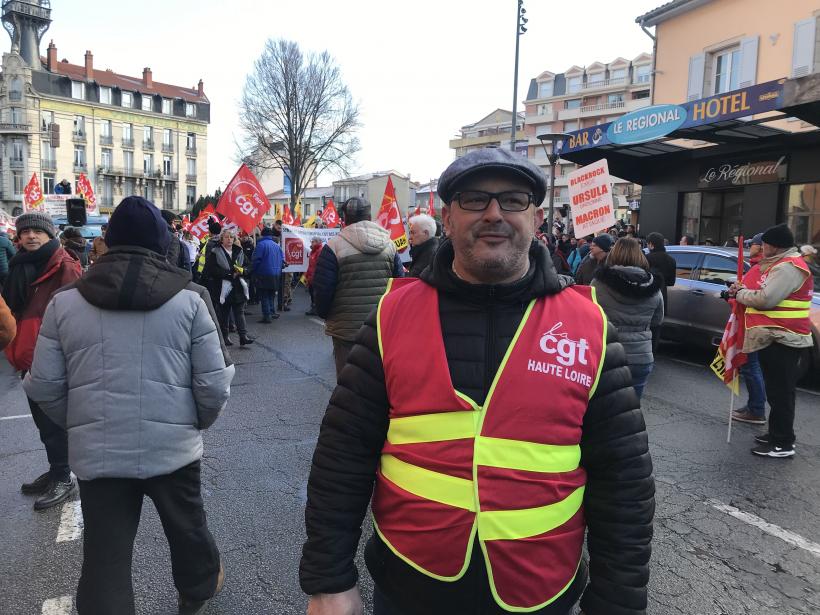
{"points": [[297, 115]]}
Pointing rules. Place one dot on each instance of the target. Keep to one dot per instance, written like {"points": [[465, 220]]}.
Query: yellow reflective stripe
{"points": [[379, 317], [527, 522], [594, 386], [530, 456], [432, 427], [779, 313], [789, 303], [442, 488]]}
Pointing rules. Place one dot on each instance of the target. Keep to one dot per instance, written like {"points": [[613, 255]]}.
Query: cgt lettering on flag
{"points": [[244, 201], [389, 217]]}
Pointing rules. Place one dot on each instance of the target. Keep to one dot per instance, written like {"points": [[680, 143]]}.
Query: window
{"points": [[49, 155], [106, 160], [147, 163], [544, 109], [570, 125], [595, 80], [79, 125], [718, 269], [685, 263], [15, 115], [642, 73], [17, 151], [168, 196], [128, 134], [148, 191], [803, 213], [573, 103], [190, 196], [727, 70], [47, 119], [128, 162], [17, 180], [105, 132], [79, 156], [616, 75], [16, 89], [147, 135], [615, 100], [167, 137], [127, 99], [167, 106], [105, 95], [640, 95], [167, 165], [191, 167], [190, 142], [545, 89], [573, 84], [190, 110], [146, 103], [108, 191], [48, 183], [129, 187], [78, 90]]}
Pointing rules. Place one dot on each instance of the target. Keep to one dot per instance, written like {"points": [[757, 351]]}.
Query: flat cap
{"points": [[489, 159]]}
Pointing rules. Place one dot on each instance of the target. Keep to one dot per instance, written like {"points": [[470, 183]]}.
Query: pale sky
{"points": [[419, 69]]}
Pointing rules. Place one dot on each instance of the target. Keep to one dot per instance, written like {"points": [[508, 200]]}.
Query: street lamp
{"points": [[520, 28], [553, 138]]}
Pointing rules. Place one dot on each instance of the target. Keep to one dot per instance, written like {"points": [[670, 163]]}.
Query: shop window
{"points": [[685, 263], [718, 269], [712, 215], [803, 213]]}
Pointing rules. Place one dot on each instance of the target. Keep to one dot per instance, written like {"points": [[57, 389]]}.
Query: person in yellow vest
{"points": [[777, 296], [487, 408]]}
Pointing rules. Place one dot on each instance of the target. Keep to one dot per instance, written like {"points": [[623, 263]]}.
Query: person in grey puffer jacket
{"points": [[351, 276], [129, 360], [631, 299]]}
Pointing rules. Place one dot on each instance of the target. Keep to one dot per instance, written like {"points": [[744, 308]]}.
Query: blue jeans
{"points": [[753, 376], [265, 296], [640, 374]]}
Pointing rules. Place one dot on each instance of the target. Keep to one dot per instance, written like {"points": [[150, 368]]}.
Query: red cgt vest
{"points": [[506, 473], [792, 313]]}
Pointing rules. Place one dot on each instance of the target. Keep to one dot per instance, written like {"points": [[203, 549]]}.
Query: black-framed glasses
{"points": [[478, 200]]}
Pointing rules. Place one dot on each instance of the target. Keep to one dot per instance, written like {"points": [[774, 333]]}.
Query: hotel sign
{"points": [[728, 174], [658, 121]]}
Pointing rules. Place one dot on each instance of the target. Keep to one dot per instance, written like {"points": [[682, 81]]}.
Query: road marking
{"points": [[58, 606], [71, 522], [16, 416], [769, 528], [321, 323]]}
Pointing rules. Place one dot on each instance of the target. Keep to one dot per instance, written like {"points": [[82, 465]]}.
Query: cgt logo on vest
{"points": [[566, 352]]}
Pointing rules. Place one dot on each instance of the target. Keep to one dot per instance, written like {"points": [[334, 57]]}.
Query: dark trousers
{"points": [[111, 515], [228, 309], [341, 349], [779, 365], [55, 439], [266, 300]]}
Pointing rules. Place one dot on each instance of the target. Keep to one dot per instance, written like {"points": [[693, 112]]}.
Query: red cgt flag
{"points": [[329, 215], [32, 195], [85, 190], [431, 206], [390, 218], [730, 355], [244, 200], [287, 217]]}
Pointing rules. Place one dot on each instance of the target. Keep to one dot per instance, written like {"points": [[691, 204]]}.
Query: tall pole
{"points": [[553, 159], [519, 30]]}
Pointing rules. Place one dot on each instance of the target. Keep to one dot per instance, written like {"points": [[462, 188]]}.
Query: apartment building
{"points": [[128, 135], [581, 97], [371, 186], [492, 130]]}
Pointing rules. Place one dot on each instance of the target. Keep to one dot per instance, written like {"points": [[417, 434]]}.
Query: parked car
{"points": [[696, 313]]}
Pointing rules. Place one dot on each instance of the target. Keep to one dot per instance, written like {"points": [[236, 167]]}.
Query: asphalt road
{"points": [[734, 534]]}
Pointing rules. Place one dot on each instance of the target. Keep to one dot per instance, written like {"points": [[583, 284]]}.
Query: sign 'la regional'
{"points": [[590, 195]]}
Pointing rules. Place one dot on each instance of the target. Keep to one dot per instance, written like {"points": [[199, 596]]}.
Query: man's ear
{"points": [[538, 216], [445, 218]]}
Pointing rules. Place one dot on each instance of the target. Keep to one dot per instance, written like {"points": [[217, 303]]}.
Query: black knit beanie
{"points": [[137, 222], [779, 236]]}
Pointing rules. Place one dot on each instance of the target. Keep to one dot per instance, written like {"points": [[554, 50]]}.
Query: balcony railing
{"points": [[15, 96], [78, 137], [14, 127], [128, 143], [190, 151], [603, 83], [604, 106], [120, 171], [171, 177], [191, 179], [106, 140], [167, 148], [148, 144], [16, 163], [48, 165], [80, 167]]}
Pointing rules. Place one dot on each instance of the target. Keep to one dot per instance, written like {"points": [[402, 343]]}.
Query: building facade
{"points": [[492, 130], [580, 98], [371, 186], [128, 135]]}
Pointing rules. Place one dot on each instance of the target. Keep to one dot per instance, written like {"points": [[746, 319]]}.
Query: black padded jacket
{"points": [[478, 323]]}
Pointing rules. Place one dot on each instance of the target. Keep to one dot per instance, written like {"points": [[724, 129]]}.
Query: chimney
{"points": [[51, 58], [89, 65], [147, 77], [200, 89]]}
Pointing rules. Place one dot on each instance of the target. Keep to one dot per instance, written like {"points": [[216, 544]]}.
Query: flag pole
{"points": [[731, 411]]}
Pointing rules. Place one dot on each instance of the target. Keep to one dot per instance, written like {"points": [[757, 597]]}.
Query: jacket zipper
{"points": [[489, 359]]}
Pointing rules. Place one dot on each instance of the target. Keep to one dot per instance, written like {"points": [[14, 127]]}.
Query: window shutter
{"points": [[748, 61], [803, 52], [697, 66]]}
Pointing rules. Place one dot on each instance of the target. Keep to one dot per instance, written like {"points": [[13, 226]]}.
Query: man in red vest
{"points": [[486, 407], [777, 295]]}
